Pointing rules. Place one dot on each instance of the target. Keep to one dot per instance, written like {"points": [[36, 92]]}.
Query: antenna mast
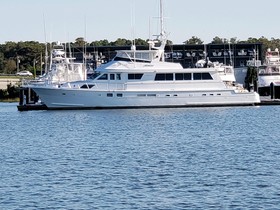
{"points": [[162, 33], [161, 19], [46, 46]]}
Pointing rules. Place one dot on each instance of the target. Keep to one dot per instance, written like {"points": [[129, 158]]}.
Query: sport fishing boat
{"points": [[142, 78], [269, 72], [61, 69]]}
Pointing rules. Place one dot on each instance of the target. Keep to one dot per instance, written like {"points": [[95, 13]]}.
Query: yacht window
{"points": [[206, 76], [197, 76], [103, 77], [84, 86], [118, 76], [160, 77], [163, 77], [112, 76], [135, 76], [169, 76], [93, 76], [141, 95], [183, 76], [87, 86], [109, 94], [119, 95], [202, 76]]}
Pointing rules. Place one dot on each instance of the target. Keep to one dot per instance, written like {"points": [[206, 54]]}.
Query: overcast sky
{"points": [[66, 20]]}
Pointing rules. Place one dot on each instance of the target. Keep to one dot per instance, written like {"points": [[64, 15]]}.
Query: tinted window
{"points": [[84, 86], [187, 76], [169, 76], [103, 77], [135, 76], [183, 76], [206, 76], [202, 76], [160, 77], [112, 76], [179, 76], [197, 76], [138, 76], [163, 77]]}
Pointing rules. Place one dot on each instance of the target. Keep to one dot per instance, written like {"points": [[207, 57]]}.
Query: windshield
{"points": [[94, 75]]}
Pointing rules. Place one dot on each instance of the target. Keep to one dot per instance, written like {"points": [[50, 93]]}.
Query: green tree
{"points": [[251, 78], [2, 62], [140, 41], [13, 91], [193, 40], [3, 93], [250, 40], [99, 43], [10, 50], [218, 40], [27, 52], [80, 42], [233, 40], [10, 67], [121, 42]]}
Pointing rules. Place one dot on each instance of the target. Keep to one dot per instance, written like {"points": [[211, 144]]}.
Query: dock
{"points": [[29, 101], [265, 101], [31, 107]]}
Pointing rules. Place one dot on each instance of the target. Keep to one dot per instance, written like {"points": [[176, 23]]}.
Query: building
{"points": [[234, 54]]}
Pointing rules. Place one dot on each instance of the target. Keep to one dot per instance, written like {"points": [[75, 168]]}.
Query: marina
{"points": [[139, 124]]}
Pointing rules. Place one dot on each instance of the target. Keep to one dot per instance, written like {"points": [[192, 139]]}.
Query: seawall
{"points": [[6, 81]]}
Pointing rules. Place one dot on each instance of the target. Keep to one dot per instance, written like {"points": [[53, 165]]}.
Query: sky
{"points": [[66, 20]]}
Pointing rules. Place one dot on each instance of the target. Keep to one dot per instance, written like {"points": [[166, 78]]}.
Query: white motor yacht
{"points": [[137, 79]]}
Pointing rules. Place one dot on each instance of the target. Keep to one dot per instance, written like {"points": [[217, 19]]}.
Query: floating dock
{"points": [[268, 101], [28, 100], [30, 107]]}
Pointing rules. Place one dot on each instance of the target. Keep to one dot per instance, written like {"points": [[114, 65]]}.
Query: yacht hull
{"points": [[55, 98]]}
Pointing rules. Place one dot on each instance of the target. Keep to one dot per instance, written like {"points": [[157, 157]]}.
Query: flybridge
{"points": [[139, 56]]}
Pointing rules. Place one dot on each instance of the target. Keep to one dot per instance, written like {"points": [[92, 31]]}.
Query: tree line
{"points": [[29, 55]]}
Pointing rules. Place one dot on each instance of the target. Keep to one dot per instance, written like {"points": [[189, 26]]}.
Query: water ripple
{"points": [[200, 158]]}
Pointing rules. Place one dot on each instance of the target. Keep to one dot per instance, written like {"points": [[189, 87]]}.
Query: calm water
{"points": [[195, 158]]}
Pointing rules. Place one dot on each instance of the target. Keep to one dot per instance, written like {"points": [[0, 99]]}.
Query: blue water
{"points": [[193, 158]]}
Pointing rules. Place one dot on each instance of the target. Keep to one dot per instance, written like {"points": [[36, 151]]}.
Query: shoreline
{"points": [[9, 100]]}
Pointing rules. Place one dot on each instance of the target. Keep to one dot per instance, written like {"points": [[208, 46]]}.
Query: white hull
{"points": [[81, 99], [266, 80]]}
